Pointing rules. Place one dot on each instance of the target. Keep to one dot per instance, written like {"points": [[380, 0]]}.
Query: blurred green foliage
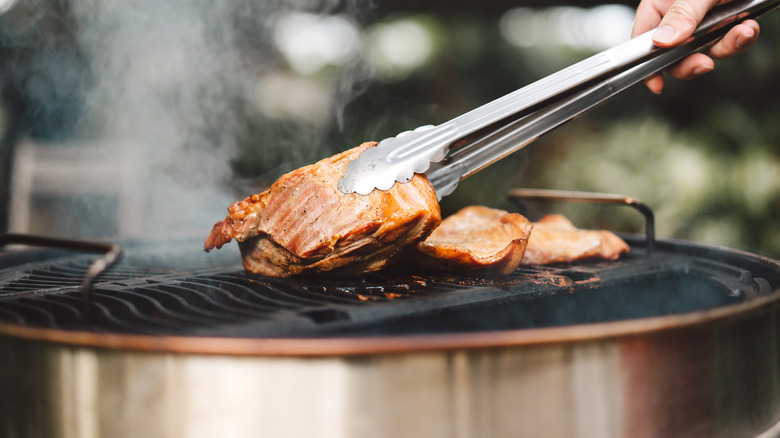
{"points": [[705, 155]]}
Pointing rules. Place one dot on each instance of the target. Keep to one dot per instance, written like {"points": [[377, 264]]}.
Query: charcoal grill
{"points": [[674, 339], [180, 292]]}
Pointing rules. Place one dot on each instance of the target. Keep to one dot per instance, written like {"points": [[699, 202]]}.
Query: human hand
{"points": [[676, 21]]}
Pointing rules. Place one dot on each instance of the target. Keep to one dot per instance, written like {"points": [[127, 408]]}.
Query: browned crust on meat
{"points": [[476, 238]]}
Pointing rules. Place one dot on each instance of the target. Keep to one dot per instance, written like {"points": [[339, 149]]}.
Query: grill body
{"points": [[378, 357]]}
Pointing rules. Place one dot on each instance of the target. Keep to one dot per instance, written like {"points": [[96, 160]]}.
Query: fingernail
{"points": [[664, 34], [700, 70]]}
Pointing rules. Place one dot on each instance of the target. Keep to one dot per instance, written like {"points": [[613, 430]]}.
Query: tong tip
{"points": [[390, 161]]}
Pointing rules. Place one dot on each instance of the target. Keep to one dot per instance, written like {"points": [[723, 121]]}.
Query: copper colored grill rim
{"points": [[348, 346]]}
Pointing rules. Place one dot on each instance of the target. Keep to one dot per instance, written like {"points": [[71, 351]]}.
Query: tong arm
{"points": [[494, 146], [543, 105]]}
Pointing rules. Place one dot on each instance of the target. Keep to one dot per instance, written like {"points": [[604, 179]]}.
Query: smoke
{"points": [[167, 87], [167, 94], [187, 105]]}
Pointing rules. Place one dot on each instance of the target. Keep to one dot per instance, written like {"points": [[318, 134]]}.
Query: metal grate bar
{"points": [[236, 295], [194, 311], [130, 312], [214, 299], [101, 315]]}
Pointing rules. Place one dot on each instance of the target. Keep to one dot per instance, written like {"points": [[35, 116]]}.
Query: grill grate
{"points": [[180, 290]]}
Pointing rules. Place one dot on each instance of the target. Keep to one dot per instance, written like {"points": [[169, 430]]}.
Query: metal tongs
{"points": [[456, 149]]}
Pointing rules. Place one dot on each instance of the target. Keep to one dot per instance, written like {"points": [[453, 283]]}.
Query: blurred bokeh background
{"points": [[144, 119]]}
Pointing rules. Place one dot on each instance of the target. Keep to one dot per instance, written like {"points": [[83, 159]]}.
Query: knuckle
{"points": [[683, 12]]}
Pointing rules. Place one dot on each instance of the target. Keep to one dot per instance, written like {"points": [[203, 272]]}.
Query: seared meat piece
{"points": [[481, 238], [476, 238], [304, 224], [555, 239]]}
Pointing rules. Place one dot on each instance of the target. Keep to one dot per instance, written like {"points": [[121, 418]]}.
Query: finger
{"points": [[647, 17], [680, 21], [655, 83], [736, 41], [692, 66]]}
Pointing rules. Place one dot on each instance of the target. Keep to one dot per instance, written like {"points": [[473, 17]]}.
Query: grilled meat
{"points": [[304, 224], [555, 239], [486, 239], [476, 238]]}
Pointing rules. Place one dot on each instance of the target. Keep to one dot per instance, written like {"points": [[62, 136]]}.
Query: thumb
{"points": [[681, 21]]}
